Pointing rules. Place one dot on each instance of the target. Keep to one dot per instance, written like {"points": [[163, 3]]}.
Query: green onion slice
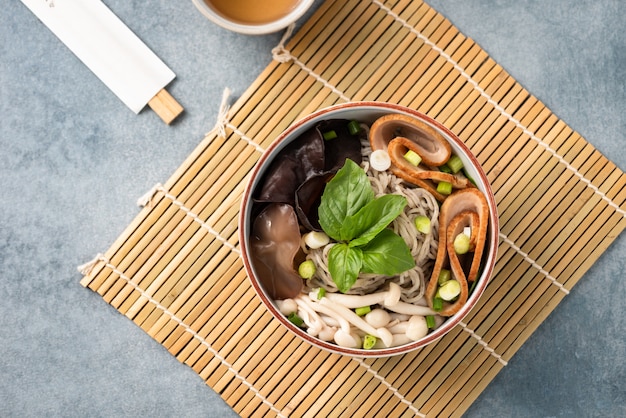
{"points": [[430, 321], [422, 223], [437, 304], [413, 157], [329, 135], [461, 244], [444, 187], [295, 319], [450, 290], [455, 163], [469, 177], [306, 269], [363, 310], [380, 160], [369, 341], [444, 276], [445, 169], [354, 127]]}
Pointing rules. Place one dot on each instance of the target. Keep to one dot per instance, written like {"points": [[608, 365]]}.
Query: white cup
{"points": [[211, 13]]}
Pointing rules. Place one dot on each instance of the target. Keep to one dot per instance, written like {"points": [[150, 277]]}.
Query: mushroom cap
{"points": [[418, 328]]}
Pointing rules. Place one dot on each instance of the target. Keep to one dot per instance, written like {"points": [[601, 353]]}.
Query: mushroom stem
{"points": [[315, 307], [387, 298], [410, 309], [317, 326]]}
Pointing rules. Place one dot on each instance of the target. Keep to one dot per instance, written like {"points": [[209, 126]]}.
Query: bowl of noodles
{"points": [[368, 229]]}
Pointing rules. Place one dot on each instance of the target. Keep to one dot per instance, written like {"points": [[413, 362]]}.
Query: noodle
{"points": [[423, 247]]}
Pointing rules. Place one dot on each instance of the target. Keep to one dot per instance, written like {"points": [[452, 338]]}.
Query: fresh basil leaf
{"points": [[344, 265], [344, 195], [364, 225], [387, 254]]}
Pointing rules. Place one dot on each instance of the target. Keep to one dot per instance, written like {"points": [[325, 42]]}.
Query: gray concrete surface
{"points": [[74, 160]]}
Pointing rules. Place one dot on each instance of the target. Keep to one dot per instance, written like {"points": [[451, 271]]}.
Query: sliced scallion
{"points": [[369, 341], [430, 321], [445, 169], [306, 269], [329, 135], [471, 289], [422, 223], [363, 310], [469, 177], [354, 127], [449, 290], [380, 160], [321, 292], [295, 319], [444, 187], [413, 157], [455, 163], [444, 276], [437, 304], [461, 244]]}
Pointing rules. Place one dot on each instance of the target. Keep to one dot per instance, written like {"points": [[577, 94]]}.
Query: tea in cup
{"points": [[253, 17]]}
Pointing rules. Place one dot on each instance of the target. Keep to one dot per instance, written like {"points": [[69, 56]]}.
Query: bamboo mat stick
{"points": [[207, 311], [181, 343], [187, 309], [216, 219]]}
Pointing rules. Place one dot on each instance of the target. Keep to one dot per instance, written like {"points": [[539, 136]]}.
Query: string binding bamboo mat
{"points": [[176, 272]]}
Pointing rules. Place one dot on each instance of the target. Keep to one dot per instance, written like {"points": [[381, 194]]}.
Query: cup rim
{"points": [[253, 29]]}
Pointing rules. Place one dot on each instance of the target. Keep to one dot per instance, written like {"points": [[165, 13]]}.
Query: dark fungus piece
{"points": [[291, 167], [308, 198], [344, 145], [274, 244]]}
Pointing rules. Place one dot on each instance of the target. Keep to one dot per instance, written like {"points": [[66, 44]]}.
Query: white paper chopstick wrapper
{"points": [[107, 46]]}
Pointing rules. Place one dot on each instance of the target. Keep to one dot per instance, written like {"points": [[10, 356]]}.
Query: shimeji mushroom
{"points": [[343, 336], [410, 309], [390, 299], [317, 327], [414, 329], [286, 306], [387, 298], [349, 315], [378, 318]]}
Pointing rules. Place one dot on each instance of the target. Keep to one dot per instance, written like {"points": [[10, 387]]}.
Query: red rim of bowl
{"points": [[381, 107]]}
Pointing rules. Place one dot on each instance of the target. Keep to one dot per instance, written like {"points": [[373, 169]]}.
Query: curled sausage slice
{"points": [[429, 143], [466, 207], [398, 133], [419, 175]]}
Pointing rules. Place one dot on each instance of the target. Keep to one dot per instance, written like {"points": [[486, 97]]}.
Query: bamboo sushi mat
{"points": [[176, 270]]}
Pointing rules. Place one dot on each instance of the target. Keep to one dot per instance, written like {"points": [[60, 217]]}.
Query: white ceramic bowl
{"points": [[252, 29], [368, 112]]}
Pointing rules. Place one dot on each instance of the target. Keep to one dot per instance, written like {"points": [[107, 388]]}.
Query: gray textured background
{"points": [[74, 160]]}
